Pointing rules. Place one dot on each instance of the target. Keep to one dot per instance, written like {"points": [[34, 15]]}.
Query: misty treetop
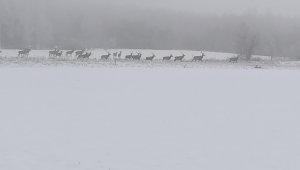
{"points": [[42, 24]]}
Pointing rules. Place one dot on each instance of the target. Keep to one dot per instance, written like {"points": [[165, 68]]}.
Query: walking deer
{"points": [[120, 54], [105, 57], [85, 56], [128, 57], [137, 57], [59, 54], [53, 53], [179, 58], [70, 53], [168, 58], [24, 52], [151, 57], [78, 53], [115, 55], [199, 58]]}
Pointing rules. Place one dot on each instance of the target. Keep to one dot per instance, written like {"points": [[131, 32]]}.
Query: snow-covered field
{"points": [[66, 118], [40, 58], [96, 53]]}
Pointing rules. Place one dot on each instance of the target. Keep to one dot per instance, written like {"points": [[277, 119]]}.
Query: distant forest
{"points": [[42, 24]]}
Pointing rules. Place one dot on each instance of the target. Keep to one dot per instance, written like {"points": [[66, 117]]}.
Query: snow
{"points": [[149, 119], [40, 58], [96, 53]]}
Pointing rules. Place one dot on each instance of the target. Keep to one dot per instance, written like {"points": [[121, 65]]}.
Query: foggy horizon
{"points": [[278, 7], [143, 24]]}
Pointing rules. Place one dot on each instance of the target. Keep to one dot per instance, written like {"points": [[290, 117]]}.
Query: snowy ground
{"points": [[149, 119], [40, 58], [96, 53]]}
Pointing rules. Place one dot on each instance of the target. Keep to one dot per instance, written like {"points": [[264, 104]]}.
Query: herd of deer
{"points": [[83, 54]]}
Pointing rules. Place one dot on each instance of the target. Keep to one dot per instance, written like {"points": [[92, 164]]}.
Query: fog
{"points": [[276, 7], [281, 7], [215, 25]]}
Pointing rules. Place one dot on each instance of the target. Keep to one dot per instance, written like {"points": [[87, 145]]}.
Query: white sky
{"points": [[282, 7], [276, 7]]}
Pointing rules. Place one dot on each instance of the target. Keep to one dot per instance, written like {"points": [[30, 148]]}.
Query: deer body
{"points": [[120, 54], [24, 52], [137, 57], [168, 58], [70, 53], [179, 58], [128, 57], [105, 57], [150, 58], [59, 54], [199, 58], [53, 53], [85, 56], [78, 53], [115, 54]]}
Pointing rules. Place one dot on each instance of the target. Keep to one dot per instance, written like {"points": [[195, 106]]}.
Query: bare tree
{"points": [[247, 41]]}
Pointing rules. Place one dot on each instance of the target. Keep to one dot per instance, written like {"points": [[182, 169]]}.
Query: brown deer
{"points": [[85, 56], [53, 53], [70, 53], [105, 57], [115, 54], [151, 57], [120, 54], [199, 58], [179, 58], [137, 57], [24, 52], [59, 54], [168, 58], [78, 53], [128, 57]]}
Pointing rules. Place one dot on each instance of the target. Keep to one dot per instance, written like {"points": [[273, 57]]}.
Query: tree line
{"points": [[42, 24]]}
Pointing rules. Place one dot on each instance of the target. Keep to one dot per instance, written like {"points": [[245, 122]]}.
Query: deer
{"points": [[168, 58], [179, 58], [85, 56], [120, 54], [24, 52], [234, 59], [53, 53], [137, 57], [115, 54], [151, 57], [199, 58], [105, 57], [78, 53], [70, 53], [59, 54], [128, 57]]}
